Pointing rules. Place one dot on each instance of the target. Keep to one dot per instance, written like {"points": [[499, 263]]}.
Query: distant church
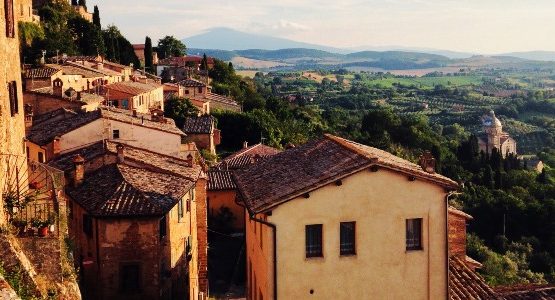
{"points": [[494, 137]]}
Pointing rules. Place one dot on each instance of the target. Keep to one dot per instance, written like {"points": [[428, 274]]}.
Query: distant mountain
{"points": [[229, 39], [401, 55], [533, 55]]}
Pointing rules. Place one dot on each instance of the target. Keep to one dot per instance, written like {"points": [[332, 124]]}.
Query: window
{"points": [[14, 103], [27, 152], [130, 278], [347, 238], [180, 209], [314, 240], [41, 157], [188, 205], [87, 225], [10, 23], [200, 90], [414, 234], [115, 133], [163, 229], [186, 92]]}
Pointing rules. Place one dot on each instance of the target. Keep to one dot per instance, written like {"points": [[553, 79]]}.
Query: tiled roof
{"points": [[58, 113], [71, 68], [45, 72], [46, 131], [182, 60], [191, 83], [526, 292], [123, 190], [247, 156], [156, 161], [291, 173], [222, 102], [465, 284], [138, 46], [132, 88], [202, 124], [220, 180]]}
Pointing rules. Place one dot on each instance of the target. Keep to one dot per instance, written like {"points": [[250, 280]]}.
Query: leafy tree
{"points": [[96, 17], [74, 2], [179, 109], [87, 36], [170, 46], [148, 55], [118, 48], [83, 3]]}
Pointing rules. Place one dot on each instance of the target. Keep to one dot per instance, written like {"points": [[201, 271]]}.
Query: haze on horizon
{"points": [[477, 26]]}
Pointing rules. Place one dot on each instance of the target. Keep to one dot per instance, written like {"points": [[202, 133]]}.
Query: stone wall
{"points": [[202, 235]]}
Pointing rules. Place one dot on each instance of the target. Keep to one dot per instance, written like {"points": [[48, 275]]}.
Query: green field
{"points": [[426, 82]]}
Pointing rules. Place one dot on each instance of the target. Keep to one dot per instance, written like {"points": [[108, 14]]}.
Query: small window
{"points": [[130, 278], [314, 240], [163, 228], [347, 238], [414, 234], [9, 16], [180, 209], [41, 157], [87, 225], [115, 133], [200, 90], [14, 103], [188, 205], [186, 92]]}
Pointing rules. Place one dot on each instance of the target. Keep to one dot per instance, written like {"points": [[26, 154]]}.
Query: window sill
{"points": [[348, 255], [414, 250]]}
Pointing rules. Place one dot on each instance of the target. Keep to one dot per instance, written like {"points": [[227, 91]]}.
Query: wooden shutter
{"points": [[10, 22], [12, 93]]}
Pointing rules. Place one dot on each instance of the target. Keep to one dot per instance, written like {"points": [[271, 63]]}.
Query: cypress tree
{"points": [[487, 179], [204, 62], [83, 3], [96, 17], [148, 55]]}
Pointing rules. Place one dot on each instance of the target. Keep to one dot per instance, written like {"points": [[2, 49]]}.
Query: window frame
{"points": [[308, 243], [350, 233], [40, 157], [12, 95], [180, 211], [414, 238], [163, 228], [115, 132], [9, 15]]}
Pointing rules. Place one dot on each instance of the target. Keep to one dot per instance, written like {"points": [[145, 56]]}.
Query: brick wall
{"points": [[202, 235]]}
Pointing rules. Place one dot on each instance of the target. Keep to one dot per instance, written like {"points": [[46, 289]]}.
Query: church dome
{"points": [[491, 120]]}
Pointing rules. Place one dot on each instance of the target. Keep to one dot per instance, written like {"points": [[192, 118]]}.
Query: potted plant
{"points": [[41, 226]]}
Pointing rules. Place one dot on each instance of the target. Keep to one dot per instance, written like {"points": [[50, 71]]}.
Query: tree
{"points": [[118, 48], [88, 38], [148, 55], [204, 62], [74, 2], [169, 46], [179, 109], [96, 17]]}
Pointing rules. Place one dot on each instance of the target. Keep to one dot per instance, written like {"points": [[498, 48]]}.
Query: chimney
{"points": [[58, 87], [428, 162], [190, 161], [245, 145], [79, 175], [121, 154], [100, 66], [56, 146]]}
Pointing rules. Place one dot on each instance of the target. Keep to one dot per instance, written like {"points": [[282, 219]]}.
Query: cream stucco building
{"points": [[334, 219]]}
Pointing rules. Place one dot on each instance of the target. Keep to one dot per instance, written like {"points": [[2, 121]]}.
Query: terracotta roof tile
{"points": [[202, 124], [291, 173], [526, 292], [191, 83], [132, 88], [247, 156], [45, 72], [123, 190], [465, 284], [220, 180]]}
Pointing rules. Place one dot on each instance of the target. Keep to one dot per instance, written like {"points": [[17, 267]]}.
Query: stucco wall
{"points": [[226, 198], [379, 203], [134, 135]]}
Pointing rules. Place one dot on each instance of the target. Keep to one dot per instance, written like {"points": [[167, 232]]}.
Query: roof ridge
{"points": [[349, 146]]}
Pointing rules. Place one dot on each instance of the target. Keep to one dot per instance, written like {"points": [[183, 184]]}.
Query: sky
{"points": [[477, 26]]}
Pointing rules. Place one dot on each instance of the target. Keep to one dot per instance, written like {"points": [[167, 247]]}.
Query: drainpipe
{"points": [[449, 194], [274, 236]]}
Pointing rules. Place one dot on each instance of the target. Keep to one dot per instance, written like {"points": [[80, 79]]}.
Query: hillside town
{"points": [[114, 185]]}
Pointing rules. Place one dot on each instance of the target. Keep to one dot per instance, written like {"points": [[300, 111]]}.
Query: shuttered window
{"points": [[12, 93], [9, 15]]}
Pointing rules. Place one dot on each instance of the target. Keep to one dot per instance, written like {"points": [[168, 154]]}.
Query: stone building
{"points": [[49, 137], [141, 97], [203, 132], [495, 137], [12, 123], [138, 219], [199, 91], [318, 225]]}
